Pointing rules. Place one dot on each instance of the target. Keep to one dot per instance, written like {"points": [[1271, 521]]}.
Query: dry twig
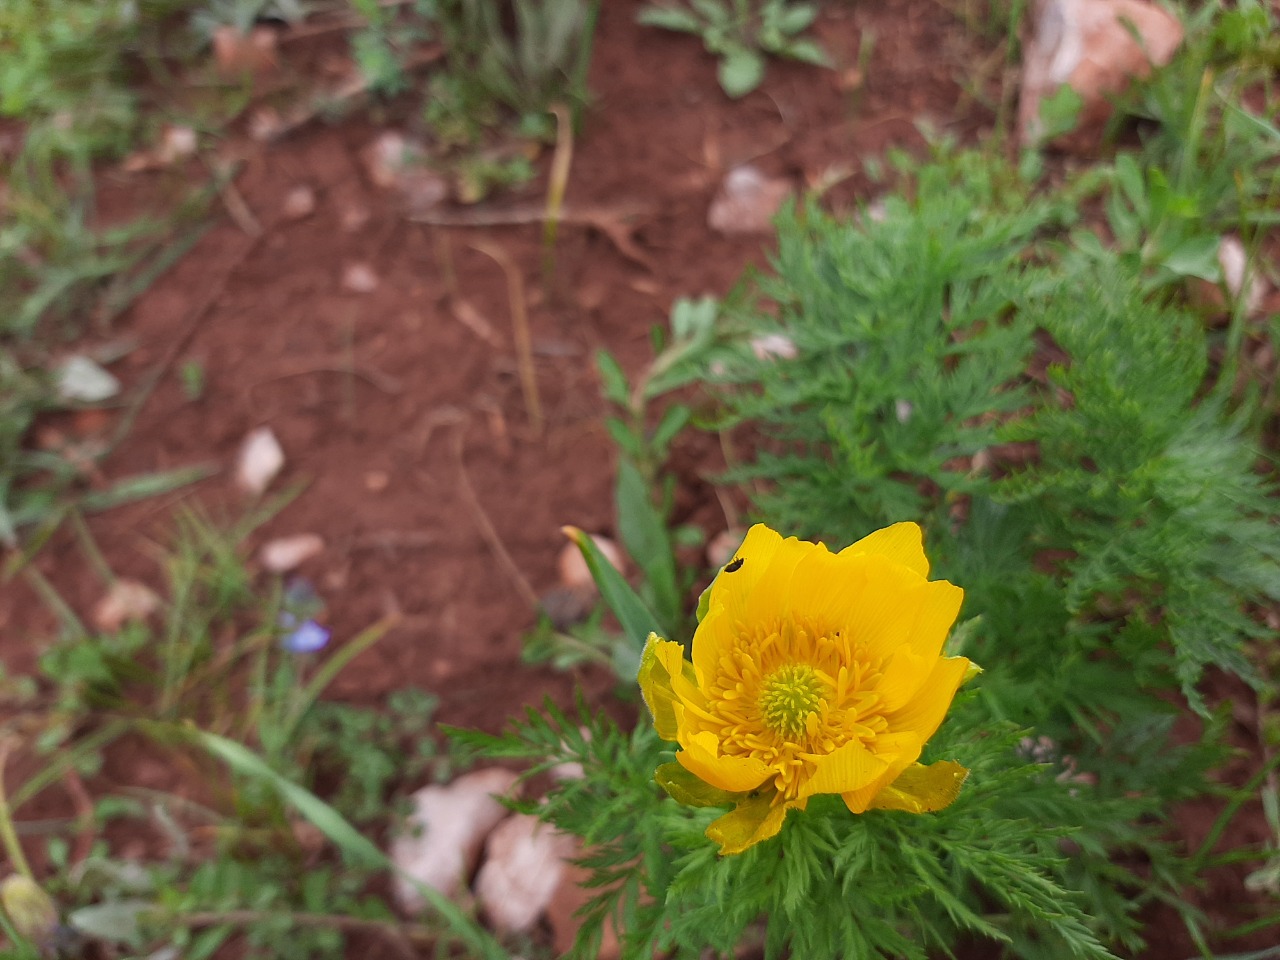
{"points": [[615, 222], [487, 529], [520, 328]]}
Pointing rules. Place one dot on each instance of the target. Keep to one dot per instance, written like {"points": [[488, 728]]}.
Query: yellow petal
{"points": [[908, 666], [752, 590], [897, 751], [939, 605], [657, 663], [825, 590], [712, 640], [929, 705], [735, 774], [773, 593], [850, 767], [740, 575], [750, 822], [923, 789], [902, 543], [878, 606], [683, 679]]}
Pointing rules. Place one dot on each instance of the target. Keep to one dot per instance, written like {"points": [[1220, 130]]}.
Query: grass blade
{"points": [[635, 616], [353, 844]]}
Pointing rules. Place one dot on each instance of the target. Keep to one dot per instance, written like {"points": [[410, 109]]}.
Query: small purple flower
{"points": [[307, 637], [300, 606]]}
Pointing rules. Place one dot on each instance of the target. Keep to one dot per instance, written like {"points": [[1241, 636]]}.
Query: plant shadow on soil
{"points": [[393, 411]]}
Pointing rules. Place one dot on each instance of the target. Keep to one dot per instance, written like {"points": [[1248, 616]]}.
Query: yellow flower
{"points": [[812, 673]]}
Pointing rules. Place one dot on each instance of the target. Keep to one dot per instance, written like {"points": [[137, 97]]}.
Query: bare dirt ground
{"points": [[393, 411]]}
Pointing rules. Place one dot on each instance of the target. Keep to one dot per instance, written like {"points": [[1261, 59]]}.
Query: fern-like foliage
{"points": [[832, 885], [1147, 487], [1062, 436], [910, 353]]}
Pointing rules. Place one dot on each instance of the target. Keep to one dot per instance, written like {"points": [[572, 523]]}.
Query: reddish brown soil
{"points": [[377, 450], [387, 454]]}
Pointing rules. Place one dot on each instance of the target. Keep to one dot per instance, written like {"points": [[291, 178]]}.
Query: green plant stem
{"points": [[9, 837], [90, 547], [334, 665], [1238, 800], [520, 329], [557, 184], [65, 760], [416, 933], [49, 594]]}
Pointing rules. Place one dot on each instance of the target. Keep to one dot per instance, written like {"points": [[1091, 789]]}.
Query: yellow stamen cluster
{"points": [[788, 694], [790, 699]]}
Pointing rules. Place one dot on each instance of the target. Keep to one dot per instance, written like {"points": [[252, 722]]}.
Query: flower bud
{"points": [[31, 911]]}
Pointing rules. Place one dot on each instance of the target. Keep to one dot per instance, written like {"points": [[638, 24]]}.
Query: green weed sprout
{"points": [[740, 32]]}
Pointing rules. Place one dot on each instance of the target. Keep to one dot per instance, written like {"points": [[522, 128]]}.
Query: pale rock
{"points": [[265, 123], [773, 346], [573, 568], [82, 380], [524, 862], [299, 203], [567, 771], [396, 163], [288, 553], [359, 278], [421, 189], [261, 458], [1088, 45], [1234, 260], [444, 834], [387, 156], [176, 143], [466, 313], [571, 769], [238, 54], [1220, 298], [127, 601], [575, 598], [747, 202], [355, 218]]}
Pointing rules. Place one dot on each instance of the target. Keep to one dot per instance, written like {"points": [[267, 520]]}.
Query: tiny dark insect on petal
{"points": [[734, 565]]}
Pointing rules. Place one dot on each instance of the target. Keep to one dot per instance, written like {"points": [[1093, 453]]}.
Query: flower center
{"points": [[788, 696]]}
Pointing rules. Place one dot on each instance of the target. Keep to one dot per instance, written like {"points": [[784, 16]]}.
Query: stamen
{"points": [[788, 697]]}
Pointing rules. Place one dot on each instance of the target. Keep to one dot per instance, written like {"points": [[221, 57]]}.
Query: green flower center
{"points": [[788, 696]]}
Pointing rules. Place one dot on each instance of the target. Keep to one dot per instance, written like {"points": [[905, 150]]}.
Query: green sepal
{"points": [[753, 820], [683, 787], [656, 688], [704, 600]]}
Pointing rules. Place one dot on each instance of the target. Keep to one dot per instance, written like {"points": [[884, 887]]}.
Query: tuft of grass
{"points": [[209, 683]]}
